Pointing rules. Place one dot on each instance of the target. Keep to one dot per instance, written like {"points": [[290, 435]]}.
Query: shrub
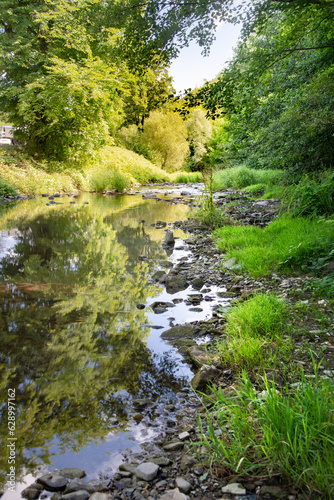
{"points": [[310, 197], [242, 177], [6, 189]]}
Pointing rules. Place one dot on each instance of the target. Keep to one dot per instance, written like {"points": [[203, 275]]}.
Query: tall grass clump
{"points": [[186, 177], [6, 189], [242, 177], [310, 197], [290, 432], [286, 244], [254, 330]]}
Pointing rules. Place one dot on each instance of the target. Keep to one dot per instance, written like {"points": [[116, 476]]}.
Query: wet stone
{"points": [[77, 495], [53, 482], [32, 492], [77, 484], [178, 445], [73, 473]]}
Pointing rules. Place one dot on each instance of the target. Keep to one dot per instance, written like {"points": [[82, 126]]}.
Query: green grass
{"points": [[290, 432], [254, 333], [310, 197], [6, 189], [186, 177], [242, 177], [287, 244]]}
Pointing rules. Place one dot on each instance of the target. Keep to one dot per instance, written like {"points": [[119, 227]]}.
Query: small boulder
{"points": [[77, 495], [53, 482], [147, 471], [169, 238], [234, 489], [73, 473], [183, 485], [205, 375]]}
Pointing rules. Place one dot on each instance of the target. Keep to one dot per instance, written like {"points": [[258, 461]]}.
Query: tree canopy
{"points": [[277, 91]]}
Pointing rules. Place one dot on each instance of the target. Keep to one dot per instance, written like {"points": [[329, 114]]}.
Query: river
{"points": [[79, 341]]}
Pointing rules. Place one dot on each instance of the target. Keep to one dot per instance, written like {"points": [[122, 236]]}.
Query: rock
{"points": [[205, 375], [176, 284], [179, 332], [183, 485], [161, 461], [157, 275], [187, 461], [77, 495], [198, 355], [169, 238], [140, 403], [173, 495], [53, 482], [32, 492], [232, 265], [177, 445], [147, 471], [99, 496], [234, 489], [197, 283], [184, 435], [161, 307], [128, 467], [140, 306], [274, 491], [78, 485], [73, 473]]}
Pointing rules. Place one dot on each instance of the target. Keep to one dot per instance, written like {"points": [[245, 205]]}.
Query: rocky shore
{"points": [[175, 466]]}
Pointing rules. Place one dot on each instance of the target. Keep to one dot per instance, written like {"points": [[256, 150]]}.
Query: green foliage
{"points": [[6, 189], [69, 112], [254, 331], [242, 177], [286, 244], [112, 168], [310, 197], [186, 178], [165, 134], [276, 92], [260, 316], [199, 132], [273, 431]]}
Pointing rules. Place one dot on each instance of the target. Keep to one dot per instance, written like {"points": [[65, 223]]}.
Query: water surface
{"points": [[74, 345]]}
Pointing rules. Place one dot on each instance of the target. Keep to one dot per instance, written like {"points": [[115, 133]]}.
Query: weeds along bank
{"points": [[112, 168], [276, 420]]}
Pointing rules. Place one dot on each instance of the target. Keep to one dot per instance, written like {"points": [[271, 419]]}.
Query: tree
{"points": [[199, 131], [48, 47], [166, 136], [276, 93]]}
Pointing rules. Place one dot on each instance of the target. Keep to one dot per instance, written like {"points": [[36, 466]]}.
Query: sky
{"points": [[191, 69]]}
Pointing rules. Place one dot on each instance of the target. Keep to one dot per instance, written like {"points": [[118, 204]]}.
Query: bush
{"points": [[242, 177], [310, 197], [6, 189]]}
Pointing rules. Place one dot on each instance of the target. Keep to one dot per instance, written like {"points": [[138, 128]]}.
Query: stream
{"points": [[80, 343]]}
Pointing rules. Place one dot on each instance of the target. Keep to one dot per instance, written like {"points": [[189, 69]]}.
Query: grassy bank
{"points": [[282, 425], [112, 168], [276, 419], [258, 182]]}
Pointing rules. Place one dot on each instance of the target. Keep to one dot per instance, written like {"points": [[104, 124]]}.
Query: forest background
{"points": [[79, 78]]}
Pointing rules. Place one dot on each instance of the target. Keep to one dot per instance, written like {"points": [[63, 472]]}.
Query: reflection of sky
{"points": [[7, 243]]}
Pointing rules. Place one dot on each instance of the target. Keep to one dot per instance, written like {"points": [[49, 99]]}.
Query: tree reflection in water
{"points": [[71, 334]]}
